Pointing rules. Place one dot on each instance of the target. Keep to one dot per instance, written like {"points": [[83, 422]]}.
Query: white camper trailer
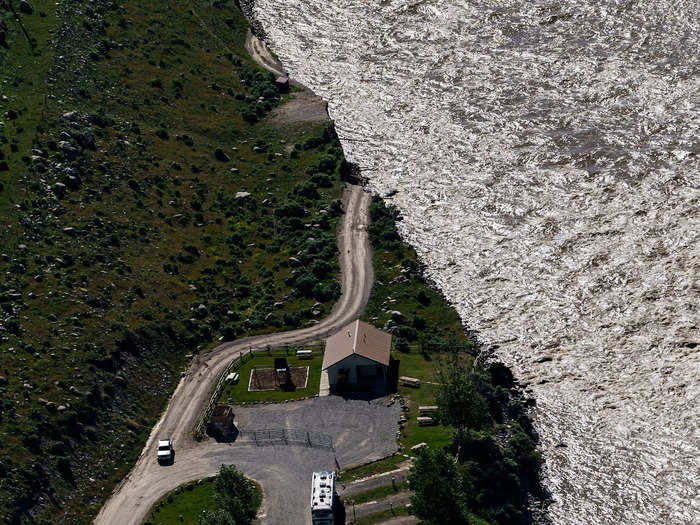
{"points": [[322, 495]]}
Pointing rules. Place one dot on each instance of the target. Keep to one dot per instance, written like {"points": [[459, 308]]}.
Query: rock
{"points": [[221, 155], [51, 406], [11, 114], [86, 140], [242, 194], [70, 115], [279, 304], [75, 391], [25, 7], [51, 318], [3, 381], [62, 408], [64, 135], [543, 359]]}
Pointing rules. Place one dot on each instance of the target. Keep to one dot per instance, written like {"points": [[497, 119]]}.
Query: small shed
{"points": [[222, 418], [357, 358], [282, 83]]}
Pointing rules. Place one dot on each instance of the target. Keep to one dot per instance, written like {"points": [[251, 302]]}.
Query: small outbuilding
{"points": [[357, 358], [222, 418], [282, 83]]}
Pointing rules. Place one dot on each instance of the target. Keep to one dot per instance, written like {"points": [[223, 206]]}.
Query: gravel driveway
{"points": [[360, 431]]}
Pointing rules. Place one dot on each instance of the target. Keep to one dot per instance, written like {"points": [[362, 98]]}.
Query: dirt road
{"points": [[148, 481]]}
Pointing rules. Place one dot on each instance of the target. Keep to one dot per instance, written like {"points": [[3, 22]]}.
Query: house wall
{"points": [[351, 363]]}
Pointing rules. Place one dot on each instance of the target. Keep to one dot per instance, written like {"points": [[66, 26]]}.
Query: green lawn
{"points": [[378, 493], [238, 393], [185, 504], [189, 503], [414, 364], [376, 467], [381, 517]]}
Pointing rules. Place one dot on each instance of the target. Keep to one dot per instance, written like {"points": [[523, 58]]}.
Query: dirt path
{"points": [[147, 481], [261, 54]]}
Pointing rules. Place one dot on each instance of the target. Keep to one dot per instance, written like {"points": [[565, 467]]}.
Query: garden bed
{"points": [[267, 391], [266, 379]]}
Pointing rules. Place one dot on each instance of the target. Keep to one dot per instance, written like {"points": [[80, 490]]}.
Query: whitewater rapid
{"points": [[546, 157]]}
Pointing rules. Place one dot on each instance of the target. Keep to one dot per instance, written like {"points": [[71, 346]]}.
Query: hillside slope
{"points": [[152, 204]]}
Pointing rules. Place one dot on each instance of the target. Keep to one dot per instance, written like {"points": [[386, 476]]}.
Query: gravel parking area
{"points": [[361, 431]]}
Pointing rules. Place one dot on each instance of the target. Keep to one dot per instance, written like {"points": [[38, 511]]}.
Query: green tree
{"points": [[438, 495], [459, 402], [234, 495]]}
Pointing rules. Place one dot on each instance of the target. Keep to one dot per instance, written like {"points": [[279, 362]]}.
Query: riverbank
{"points": [[426, 328]]}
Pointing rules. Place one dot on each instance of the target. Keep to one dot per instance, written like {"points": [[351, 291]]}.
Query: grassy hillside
{"points": [[151, 206]]}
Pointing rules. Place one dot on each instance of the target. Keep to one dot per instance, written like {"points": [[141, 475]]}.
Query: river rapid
{"points": [[546, 161]]}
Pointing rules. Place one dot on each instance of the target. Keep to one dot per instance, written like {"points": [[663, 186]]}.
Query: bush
{"points": [[327, 164]]}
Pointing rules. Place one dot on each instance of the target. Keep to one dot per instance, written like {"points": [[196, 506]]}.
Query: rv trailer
{"points": [[322, 495]]}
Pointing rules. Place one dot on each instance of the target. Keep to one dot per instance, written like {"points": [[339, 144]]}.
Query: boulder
{"points": [[70, 115], [242, 194]]}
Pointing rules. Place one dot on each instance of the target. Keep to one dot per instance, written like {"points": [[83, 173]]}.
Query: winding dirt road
{"points": [[148, 481]]}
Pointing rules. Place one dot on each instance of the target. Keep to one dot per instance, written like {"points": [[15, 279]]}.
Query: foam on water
{"points": [[546, 160]]}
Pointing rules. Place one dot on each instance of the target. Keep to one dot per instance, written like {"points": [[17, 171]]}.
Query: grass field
{"points": [[185, 504], [376, 467], [238, 393], [381, 517], [378, 493], [414, 364], [188, 503]]}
